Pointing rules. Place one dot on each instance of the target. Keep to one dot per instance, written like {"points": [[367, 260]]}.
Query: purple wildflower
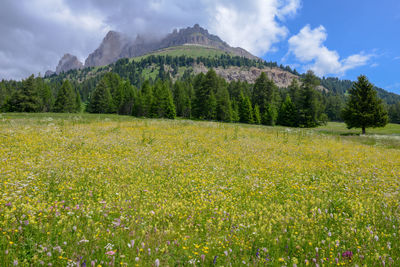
{"points": [[347, 254], [215, 260]]}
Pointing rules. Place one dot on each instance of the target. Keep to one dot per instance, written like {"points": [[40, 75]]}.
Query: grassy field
{"points": [[338, 128], [90, 190], [388, 136]]}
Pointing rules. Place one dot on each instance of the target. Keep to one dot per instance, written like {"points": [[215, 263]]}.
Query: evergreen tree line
{"points": [[85, 81], [210, 97], [204, 96], [133, 69], [35, 95]]}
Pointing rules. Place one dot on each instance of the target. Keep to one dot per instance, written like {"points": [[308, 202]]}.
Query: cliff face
{"points": [[109, 51], [280, 77], [115, 45], [68, 62]]}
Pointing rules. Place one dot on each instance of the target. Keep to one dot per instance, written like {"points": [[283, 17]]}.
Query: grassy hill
{"points": [[186, 50], [106, 188]]}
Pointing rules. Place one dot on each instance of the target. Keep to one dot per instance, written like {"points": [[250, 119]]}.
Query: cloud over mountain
{"points": [[36, 33]]}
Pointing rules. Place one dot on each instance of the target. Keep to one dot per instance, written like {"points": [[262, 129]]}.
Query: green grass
{"points": [[185, 50], [339, 128], [388, 136], [115, 190]]}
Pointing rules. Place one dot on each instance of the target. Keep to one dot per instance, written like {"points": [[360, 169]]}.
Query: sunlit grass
{"points": [[103, 189]]}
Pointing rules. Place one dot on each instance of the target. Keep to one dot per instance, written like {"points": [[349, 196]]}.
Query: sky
{"points": [[334, 38]]}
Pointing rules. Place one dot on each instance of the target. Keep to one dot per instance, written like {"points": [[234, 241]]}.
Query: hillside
{"points": [[177, 63], [187, 50]]}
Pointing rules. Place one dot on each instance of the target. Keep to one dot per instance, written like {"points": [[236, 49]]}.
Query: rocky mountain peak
{"points": [[68, 62], [115, 45], [109, 50]]}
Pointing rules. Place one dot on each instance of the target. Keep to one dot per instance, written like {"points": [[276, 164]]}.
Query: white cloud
{"points": [[253, 25], [36, 33], [308, 47]]}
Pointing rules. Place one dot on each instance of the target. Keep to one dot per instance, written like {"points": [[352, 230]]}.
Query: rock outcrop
{"points": [[68, 62], [280, 77], [49, 73]]}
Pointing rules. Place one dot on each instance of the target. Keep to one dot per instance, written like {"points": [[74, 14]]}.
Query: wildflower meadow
{"points": [[103, 190]]}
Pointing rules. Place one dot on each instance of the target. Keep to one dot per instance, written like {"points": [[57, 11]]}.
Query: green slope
{"points": [[186, 50]]}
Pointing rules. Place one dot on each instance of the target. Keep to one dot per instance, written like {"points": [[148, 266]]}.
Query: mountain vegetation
{"points": [[162, 85]]}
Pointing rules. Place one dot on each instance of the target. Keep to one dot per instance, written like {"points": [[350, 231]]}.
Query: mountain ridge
{"points": [[116, 45]]}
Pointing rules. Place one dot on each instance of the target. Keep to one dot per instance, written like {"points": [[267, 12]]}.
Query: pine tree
{"points": [[205, 89], [147, 99], [257, 115], [235, 111], [26, 99], [66, 99], [114, 85], [245, 110], [182, 99], [394, 113], [364, 109], [170, 112], [334, 106], [211, 107], [101, 100], [163, 104], [128, 98], [310, 106], [78, 102], [270, 115], [287, 113], [224, 107], [45, 95], [3, 96], [264, 92]]}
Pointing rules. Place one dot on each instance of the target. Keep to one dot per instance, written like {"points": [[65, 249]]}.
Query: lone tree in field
{"points": [[364, 109]]}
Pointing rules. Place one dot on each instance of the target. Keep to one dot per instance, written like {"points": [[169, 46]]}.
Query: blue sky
{"points": [[354, 26], [332, 37]]}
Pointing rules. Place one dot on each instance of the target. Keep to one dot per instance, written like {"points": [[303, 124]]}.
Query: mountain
{"points": [[68, 62], [116, 45], [145, 58], [110, 50]]}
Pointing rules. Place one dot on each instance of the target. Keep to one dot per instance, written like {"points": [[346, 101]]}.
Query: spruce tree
{"points": [[163, 104], [310, 106], [78, 102], [147, 99], [205, 100], [26, 98], [45, 95], [3, 96], [245, 110], [270, 115], [257, 115], [364, 109], [264, 91], [394, 113], [182, 99], [235, 111], [128, 98], [101, 100], [66, 99], [211, 107], [287, 113], [224, 107]]}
